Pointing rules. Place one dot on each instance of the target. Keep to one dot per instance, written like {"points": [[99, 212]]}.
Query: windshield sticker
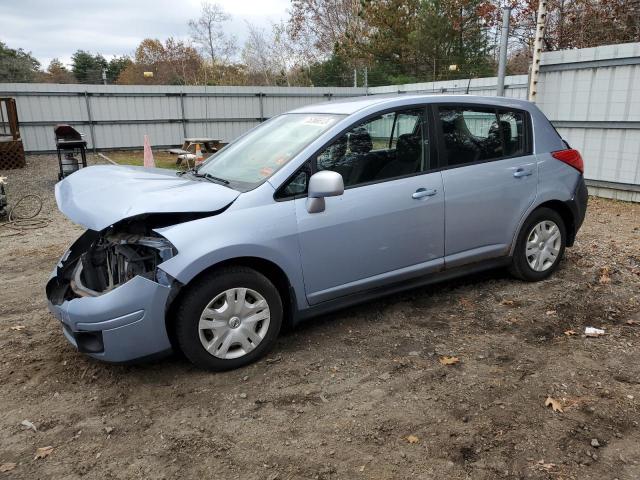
{"points": [[320, 121]]}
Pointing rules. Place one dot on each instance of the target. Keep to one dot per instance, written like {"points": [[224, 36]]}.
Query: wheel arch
{"points": [[558, 206], [567, 216], [266, 267]]}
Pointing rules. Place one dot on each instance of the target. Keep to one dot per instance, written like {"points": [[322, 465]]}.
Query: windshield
{"points": [[264, 150]]}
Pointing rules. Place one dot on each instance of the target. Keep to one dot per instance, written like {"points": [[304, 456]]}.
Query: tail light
{"points": [[570, 157]]}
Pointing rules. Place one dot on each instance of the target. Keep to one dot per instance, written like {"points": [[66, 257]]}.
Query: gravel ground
{"points": [[359, 394]]}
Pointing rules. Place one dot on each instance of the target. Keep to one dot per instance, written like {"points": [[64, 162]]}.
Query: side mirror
{"points": [[323, 184]]}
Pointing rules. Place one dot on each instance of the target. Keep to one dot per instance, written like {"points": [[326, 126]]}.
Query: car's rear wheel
{"points": [[229, 318], [540, 246]]}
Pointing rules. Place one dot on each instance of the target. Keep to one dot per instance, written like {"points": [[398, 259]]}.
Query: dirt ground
{"points": [[359, 394]]}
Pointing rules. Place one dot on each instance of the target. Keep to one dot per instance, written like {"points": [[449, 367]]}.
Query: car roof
{"points": [[352, 105]]}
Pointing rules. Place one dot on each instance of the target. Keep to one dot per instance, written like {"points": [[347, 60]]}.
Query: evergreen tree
{"points": [[17, 65]]}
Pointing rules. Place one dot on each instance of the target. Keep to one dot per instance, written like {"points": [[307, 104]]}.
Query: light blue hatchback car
{"points": [[316, 209]]}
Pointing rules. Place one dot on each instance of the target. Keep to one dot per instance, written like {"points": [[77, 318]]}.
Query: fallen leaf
{"points": [[555, 404], [43, 452], [604, 276], [568, 333], [28, 424], [361, 468], [546, 466], [631, 322], [448, 360], [412, 439], [7, 467], [17, 328], [551, 312], [507, 302]]}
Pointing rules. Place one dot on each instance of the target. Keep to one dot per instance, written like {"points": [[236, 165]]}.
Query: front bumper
{"points": [[123, 325]]}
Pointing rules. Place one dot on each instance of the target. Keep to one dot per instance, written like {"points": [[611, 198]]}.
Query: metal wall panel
{"points": [[592, 95], [515, 87], [200, 107], [122, 115], [610, 155]]}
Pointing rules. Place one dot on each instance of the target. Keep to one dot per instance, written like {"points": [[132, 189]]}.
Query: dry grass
{"points": [[135, 157]]}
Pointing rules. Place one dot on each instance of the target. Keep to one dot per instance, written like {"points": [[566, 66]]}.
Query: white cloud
{"points": [[58, 28]]}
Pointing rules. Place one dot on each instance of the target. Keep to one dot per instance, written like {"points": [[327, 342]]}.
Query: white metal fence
{"points": [[591, 95], [115, 116], [515, 87]]}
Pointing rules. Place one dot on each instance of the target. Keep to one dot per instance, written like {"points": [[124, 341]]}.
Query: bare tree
{"points": [[256, 53], [272, 57], [207, 32]]}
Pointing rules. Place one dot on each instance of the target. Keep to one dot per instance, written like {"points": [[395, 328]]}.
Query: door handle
{"points": [[521, 172], [423, 192]]}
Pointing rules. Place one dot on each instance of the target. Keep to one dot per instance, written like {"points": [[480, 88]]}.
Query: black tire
{"points": [[520, 267], [201, 292]]}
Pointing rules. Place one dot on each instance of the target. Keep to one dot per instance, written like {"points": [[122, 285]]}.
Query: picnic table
{"points": [[188, 150], [209, 145]]}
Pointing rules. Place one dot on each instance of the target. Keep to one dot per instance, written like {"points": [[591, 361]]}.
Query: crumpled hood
{"points": [[97, 197]]}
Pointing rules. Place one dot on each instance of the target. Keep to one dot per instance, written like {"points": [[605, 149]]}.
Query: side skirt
{"points": [[376, 293]]}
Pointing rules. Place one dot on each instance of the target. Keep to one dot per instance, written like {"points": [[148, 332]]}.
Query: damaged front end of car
{"points": [[111, 294], [109, 290], [100, 262], [117, 257]]}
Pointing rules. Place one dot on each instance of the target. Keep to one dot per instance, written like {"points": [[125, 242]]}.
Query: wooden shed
{"points": [[11, 148]]}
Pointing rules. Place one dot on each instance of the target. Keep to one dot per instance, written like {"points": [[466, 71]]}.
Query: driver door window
{"points": [[388, 146]]}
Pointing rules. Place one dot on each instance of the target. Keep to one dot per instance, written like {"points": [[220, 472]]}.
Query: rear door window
{"points": [[513, 131], [480, 134]]}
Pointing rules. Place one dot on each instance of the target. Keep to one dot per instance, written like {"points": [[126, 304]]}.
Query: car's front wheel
{"points": [[540, 246], [228, 318]]}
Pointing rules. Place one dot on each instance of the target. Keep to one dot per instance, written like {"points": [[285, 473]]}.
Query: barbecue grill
{"points": [[70, 146]]}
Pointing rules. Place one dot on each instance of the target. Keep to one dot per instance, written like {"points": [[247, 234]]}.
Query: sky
{"points": [[57, 28]]}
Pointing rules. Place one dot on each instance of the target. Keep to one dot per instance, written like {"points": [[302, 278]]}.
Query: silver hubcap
{"points": [[234, 323], [543, 245]]}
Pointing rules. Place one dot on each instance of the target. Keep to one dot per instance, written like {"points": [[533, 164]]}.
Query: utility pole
{"points": [[537, 50], [504, 43], [366, 80], [355, 78], [104, 76]]}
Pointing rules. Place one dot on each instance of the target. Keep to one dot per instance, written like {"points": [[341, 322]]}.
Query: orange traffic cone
{"points": [[148, 162], [199, 156]]}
